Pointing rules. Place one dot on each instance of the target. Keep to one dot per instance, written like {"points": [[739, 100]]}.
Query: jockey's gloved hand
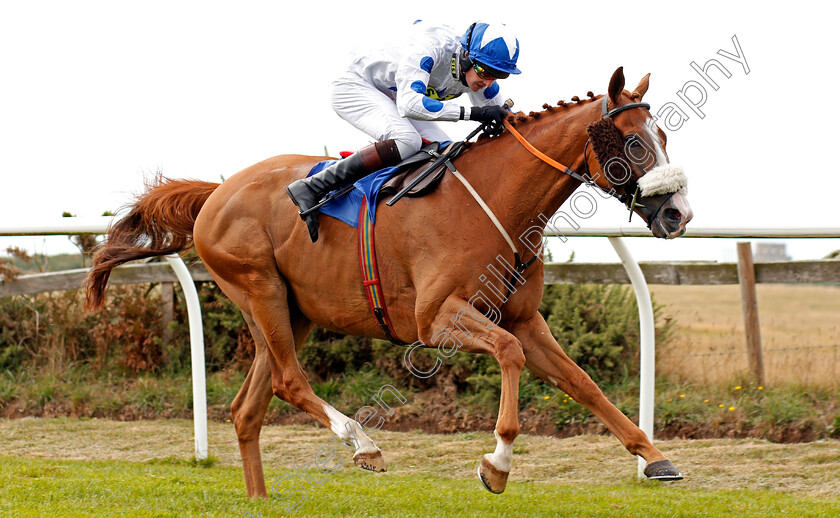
{"points": [[493, 116]]}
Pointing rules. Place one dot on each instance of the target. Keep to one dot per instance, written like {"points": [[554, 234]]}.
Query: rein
{"points": [[584, 178], [625, 199]]}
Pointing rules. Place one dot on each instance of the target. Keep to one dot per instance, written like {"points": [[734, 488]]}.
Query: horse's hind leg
{"points": [[248, 411], [270, 311], [250, 405], [545, 358]]}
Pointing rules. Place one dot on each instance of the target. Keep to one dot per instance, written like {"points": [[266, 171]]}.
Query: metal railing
{"points": [[71, 226], [614, 234]]}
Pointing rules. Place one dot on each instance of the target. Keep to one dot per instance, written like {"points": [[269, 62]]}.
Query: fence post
{"points": [[749, 305]]}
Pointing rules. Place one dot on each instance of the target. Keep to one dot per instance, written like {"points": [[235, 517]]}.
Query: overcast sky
{"points": [[95, 95]]}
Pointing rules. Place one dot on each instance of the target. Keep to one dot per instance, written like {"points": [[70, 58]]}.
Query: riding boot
{"points": [[306, 193]]}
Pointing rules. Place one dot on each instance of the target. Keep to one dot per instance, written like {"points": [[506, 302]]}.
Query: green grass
{"points": [[38, 487], [97, 467]]}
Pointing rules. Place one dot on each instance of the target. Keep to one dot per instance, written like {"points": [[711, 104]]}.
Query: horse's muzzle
{"points": [[671, 219]]}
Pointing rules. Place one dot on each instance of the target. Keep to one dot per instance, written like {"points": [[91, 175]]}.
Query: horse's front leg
{"points": [[545, 358], [458, 326]]}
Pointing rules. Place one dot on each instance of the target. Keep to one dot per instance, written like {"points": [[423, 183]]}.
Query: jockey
{"points": [[397, 93]]}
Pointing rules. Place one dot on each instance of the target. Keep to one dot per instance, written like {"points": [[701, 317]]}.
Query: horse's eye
{"points": [[634, 142]]}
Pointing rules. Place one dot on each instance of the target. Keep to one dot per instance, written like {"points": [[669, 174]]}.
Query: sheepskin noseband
{"points": [[608, 144], [663, 179]]}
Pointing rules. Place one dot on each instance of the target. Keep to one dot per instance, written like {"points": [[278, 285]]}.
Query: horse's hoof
{"points": [[662, 470], [372, 461], [493, 479]]}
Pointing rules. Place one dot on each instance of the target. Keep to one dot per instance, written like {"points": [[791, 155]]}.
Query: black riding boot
{"points": [[306, 193]]}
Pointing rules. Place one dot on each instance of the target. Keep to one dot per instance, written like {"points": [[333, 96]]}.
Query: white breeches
{"points": [[375, 113]]}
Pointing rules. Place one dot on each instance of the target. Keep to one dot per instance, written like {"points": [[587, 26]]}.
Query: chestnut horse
{"points": [[249, 235]]}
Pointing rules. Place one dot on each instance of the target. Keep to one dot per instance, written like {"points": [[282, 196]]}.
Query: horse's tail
{"points": [[160, 223]]}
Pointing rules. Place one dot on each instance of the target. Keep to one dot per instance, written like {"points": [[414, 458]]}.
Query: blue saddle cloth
{"points": [[346, 208]]}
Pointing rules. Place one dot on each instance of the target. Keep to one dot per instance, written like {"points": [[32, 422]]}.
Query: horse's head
{"points": [[630, 154]]}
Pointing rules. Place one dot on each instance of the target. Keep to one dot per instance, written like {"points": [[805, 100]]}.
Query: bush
{"points": [[227, 340], [52, 331], [598, 327], [327, 354], [132, 319]]}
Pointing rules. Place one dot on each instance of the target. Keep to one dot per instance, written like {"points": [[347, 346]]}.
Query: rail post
{"points": [[647, 345], [197, 354]]}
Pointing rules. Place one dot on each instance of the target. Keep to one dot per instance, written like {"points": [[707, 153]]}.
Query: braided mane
{"points": [[521, 118]]}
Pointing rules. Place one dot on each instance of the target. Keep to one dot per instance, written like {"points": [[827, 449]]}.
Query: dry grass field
{"points": [[807, 470], [800, 334]]}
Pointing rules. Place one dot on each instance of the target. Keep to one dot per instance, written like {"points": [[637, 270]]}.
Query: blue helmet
{"points": [[494, 46]]}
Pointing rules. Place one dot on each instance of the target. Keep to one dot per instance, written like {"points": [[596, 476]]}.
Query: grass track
{"points": [[143, 469], [38, 487]]}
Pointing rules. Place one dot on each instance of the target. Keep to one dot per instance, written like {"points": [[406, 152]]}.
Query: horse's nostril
{"points": [[672, 214]]}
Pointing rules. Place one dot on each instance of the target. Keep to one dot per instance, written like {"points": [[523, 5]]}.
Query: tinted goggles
{"points": [[485, 72]]}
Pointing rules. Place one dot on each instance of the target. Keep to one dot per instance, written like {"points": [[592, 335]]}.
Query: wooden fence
{"points": [[73, 279], [745, 272], [673, 273]]}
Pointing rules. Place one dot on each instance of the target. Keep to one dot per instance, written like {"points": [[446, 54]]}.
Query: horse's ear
{"points": [[616, 85], [640, 90]]}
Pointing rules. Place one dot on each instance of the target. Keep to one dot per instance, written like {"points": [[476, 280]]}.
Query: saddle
{"points": [[413, 167]]}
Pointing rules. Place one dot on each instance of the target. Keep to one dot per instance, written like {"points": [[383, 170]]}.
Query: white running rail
{"points": [[65, 226]]}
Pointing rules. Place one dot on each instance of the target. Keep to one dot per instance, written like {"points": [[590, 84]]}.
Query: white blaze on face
{"points": [[653, 131], [680, 203]]}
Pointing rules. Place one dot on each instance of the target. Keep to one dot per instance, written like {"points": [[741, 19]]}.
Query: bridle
{"points": [[627, 199], [520, 266], [607, 113]]}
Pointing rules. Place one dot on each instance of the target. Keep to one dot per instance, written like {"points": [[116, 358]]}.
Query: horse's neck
{"points": [[521, 189]]}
